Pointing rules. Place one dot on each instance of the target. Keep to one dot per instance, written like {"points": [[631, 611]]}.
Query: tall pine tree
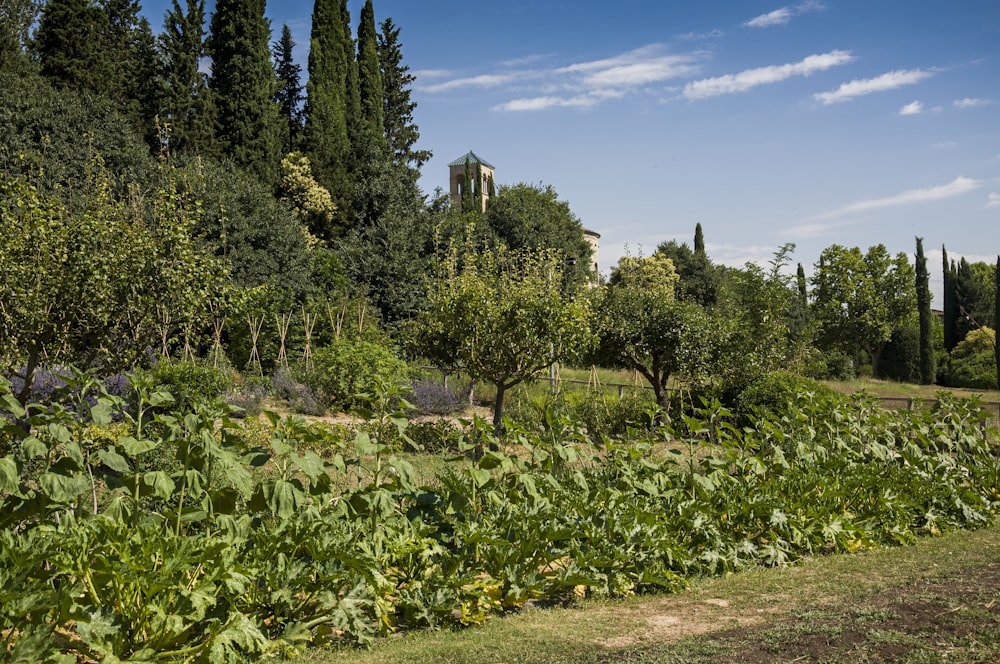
{"points": [[699, 240], [187, 109], [401, 133], [243, 82], [326, 134], [289, 95], [927, 373]]}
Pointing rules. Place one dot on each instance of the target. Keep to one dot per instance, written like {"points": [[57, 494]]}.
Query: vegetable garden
{"points": [[137, 530]]}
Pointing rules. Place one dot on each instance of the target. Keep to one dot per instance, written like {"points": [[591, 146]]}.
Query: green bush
{"points": [[976, 371], [346, 368], [772, 393], [189, 382], [831, 365], [900, 359]]}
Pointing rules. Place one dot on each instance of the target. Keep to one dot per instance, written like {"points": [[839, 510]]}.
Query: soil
{"points": [[956, 618]]}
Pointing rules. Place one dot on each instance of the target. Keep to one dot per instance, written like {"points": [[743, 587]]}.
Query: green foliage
{"points": [[529, 217], [502, 317], [289, 95], [311, 203], [258, 236], [346, 369], [370, 77], [216, 561], [901, 356], [861, 298], [699, 278], [188, 382], [975, 371], [331, 55], [926, 341], [642, 326], [401, 134], [188, 108], [98, 285], [773, 395], [243, 83]]}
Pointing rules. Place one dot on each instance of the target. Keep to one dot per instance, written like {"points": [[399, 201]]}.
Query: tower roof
{"points": [[472, 158]]}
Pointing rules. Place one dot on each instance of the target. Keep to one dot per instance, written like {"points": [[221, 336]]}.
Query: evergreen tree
{"points": [[243, 82], [800, 282], [370, 77], [187, 109], [69, 44], [326, 134], [289, 96], [968, 298], [950, 318], [16, 19], [468, 196], [996, 316], [699, 240], [927, 373], [401, 134]]}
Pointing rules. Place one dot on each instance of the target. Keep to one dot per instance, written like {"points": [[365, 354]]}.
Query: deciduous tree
{"points": [[642, 325], [861, 298], [502, 317]]}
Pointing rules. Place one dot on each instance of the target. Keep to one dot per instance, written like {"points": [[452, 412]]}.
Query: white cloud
{"points": [[994, 200], [860, 87], [481, 81], [913, 108], [957, 187], [642, 73], [784, 15], [750, 78], [777, 17], [970, 103]]}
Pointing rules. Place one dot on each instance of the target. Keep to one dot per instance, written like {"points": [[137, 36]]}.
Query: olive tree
{"points": [[502, 317]]}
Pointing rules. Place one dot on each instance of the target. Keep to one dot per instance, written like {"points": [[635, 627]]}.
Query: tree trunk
{"points": [[498, 410]]}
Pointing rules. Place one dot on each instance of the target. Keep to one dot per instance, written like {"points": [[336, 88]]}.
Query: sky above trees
{"points": [[814, 122]]}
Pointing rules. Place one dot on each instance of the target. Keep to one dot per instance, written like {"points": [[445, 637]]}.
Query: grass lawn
{"points": [[936, 601]]}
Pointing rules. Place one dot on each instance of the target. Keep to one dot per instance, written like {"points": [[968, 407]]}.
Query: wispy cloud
{"points": [[913, 108], [860, 87], [582, 84], [969, 102], [783, 15], [481, 81], [994, 200], [750, 78], [957, 187]]}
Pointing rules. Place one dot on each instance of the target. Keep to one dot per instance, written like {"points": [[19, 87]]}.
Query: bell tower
{"points": [[470, 177]]}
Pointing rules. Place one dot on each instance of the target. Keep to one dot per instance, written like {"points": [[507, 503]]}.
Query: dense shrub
{"points": [[347, 368], [188, 382], [831, 365], [900, 359], [435, 436], [976, 371], [771, 395]]}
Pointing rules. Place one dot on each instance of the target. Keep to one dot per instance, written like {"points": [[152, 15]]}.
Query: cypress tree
{"points": [[243, 82], [69, 44], [401, 134], [289, 95], [370, 77], [950, 304], [699, 240], [967, 298], [927, 374], [187, 108], [326, 132], [996, 317], [800, 282]]}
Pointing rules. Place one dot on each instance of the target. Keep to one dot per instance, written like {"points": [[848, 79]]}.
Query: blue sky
{"points": [[815, 122]]}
